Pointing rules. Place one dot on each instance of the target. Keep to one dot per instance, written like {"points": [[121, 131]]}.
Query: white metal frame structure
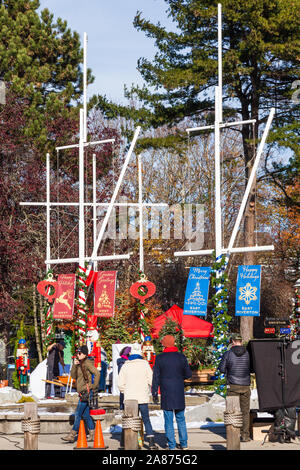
{"points": [[219, 250], [82, 258], [81, 203]]}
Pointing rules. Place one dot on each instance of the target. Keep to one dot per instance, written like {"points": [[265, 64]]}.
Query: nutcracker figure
{"points": [[92, 341], [148, 351], [23, 365]]}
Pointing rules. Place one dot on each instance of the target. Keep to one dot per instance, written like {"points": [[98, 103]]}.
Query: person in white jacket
{"points": [[135, 380]]}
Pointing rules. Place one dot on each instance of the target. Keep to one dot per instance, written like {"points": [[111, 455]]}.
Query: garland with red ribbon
{"points": [[142, 290], [81, 308], [47, 323]]}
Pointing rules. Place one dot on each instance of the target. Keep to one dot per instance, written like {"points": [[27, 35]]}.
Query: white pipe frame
{"points": [[141, 228], [219, 250], [251, 179], [84, 87], [48, 252], [81, 230], [111, 204], [94, 206]]}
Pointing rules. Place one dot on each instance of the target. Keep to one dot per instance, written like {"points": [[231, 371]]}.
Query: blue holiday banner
{"points": [[247, 300], [196, 294]]}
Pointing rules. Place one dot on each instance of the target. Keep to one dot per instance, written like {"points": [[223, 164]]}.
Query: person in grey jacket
{"points": [[235, 364]]}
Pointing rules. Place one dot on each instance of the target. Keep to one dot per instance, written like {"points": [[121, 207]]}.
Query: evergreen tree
{"points": [[40, 62], [115, 332], [260, 68], [260, 63]]}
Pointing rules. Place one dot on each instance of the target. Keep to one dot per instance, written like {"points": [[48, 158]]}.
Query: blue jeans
{"points": [[102, 381], [83, 412], [169, 428], [144, 410]]}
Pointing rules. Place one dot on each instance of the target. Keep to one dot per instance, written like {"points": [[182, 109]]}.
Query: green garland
{"points": [[294, 317], [48, 323], [80, 322], [221, 318]]}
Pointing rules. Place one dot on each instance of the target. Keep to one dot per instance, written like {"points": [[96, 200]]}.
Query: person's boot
{"points": [[152, 445], [71, 437], [91, 435]]}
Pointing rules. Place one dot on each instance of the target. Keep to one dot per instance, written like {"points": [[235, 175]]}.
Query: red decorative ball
{"points": [[43, 286], [142, 289]]}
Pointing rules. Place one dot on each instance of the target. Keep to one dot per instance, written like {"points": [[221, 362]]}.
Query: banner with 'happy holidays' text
{"points": [[247, 301], [65, 296]]}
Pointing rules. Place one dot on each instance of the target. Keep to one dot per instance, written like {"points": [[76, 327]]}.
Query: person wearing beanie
{"points": [[87, 379], [235, 365], [124, 354], [169, 373], [134, 380]]}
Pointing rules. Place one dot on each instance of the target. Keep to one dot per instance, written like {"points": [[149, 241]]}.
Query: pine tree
{"points": [[40, 62], [260, 56], [116, 332], [260, 66]]}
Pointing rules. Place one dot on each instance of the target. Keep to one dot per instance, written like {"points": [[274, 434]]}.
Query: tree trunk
{"points": [[5, 336], [250, 136], [246, 323], [36, 327]]}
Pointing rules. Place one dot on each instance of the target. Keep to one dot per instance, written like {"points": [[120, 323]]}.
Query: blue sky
{"points": [[114, 45]]}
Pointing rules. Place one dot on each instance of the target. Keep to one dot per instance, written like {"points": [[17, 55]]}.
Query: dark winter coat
{"points": [[55, 355], [235, 364], [120, 361], [169, 372]]}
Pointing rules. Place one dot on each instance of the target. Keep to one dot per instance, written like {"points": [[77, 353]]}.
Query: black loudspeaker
{"points": [[276, 363]]}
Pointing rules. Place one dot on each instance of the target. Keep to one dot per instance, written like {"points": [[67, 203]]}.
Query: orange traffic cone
{"points": [[98, 440], [81, 441]]}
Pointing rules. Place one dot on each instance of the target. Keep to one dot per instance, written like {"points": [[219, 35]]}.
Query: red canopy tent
{"points": [[192, 326]]}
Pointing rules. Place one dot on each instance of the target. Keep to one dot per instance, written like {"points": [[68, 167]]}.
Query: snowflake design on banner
{"points": [[248, 293]]}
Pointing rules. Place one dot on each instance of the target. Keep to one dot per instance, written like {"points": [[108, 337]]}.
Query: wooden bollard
{"points": [[131, 410], [232, 432], [31, 426]]}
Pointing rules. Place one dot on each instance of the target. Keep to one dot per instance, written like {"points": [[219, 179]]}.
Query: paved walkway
{"points": [[212, 438]]}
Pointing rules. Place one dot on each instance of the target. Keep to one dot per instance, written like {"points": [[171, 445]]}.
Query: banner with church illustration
{"points": [[247, 301], [65, 296], [196, 294], [105, 291]]}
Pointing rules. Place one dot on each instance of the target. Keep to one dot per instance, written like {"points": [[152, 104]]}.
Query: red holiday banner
{"points": [[105, 291], [64, 301]]}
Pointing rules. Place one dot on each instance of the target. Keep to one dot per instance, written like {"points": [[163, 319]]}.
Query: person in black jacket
{"points": [[169, 372], [124, 354], [54, 357], [235, 364]]}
